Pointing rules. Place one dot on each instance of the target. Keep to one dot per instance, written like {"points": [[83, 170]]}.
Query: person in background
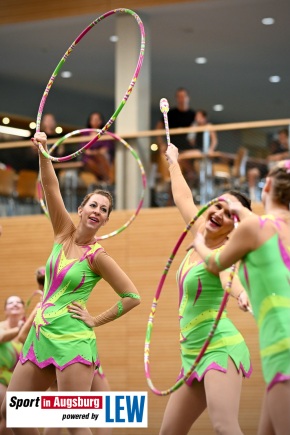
{"points": [[196, 140], [179, 116], [99, 158], [278, 150], [10, 346]]}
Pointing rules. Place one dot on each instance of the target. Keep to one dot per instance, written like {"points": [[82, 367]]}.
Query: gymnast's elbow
{"points": [[134, 301]]}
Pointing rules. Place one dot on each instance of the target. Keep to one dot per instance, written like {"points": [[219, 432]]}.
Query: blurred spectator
{"points": [[278, 150], [196, 140], [282, 150], [48, 125], [99, 158], [180, 116], [27, 158]]}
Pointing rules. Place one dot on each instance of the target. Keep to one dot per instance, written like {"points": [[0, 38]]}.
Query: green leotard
{"points": [[265, 273], [9, 354], [200, 296], [55, 337]]}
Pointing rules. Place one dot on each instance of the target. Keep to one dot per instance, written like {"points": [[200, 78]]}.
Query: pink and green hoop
{"points": [[134, 154], [125, 98], [181, 381]]}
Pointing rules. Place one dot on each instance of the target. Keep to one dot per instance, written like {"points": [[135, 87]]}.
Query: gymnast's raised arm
{"points": [[59, 216], [181, 192]]}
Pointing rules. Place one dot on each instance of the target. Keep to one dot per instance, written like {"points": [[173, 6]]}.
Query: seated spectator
{"points": [[278, 150], [196, 140], [99, 158]]}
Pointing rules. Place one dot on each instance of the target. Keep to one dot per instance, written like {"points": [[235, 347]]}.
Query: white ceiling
{"points": [[242, 54]]}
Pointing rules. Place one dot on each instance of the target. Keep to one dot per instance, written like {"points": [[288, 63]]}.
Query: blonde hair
{"points": [[280, 175]]}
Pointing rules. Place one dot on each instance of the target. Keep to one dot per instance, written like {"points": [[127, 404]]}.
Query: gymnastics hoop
{"points": [[125, 98], [154, 306], [134, 154], [164, 108]]}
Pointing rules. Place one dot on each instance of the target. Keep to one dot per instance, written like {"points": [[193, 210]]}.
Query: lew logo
{"points": [[125, 408]]}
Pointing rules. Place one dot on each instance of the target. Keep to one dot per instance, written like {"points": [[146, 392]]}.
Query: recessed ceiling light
{"points": [[6, 120], [274, 79], [201, 60], [58, 130], [32, 125], [218, 107], [114, 38], [268, 21], [154, 147], [66, 74]]}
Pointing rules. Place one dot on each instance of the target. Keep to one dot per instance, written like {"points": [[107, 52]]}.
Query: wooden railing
{"points": [[173, 131]]}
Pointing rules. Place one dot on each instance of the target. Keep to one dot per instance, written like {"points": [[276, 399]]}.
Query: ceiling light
{"points": [[201, 60], [32, 125], [58, 130], [15, 131], [274, 79], [268, 21], [218, 107], [154, 147], [66, 74], [5, 120], [114, 38]]}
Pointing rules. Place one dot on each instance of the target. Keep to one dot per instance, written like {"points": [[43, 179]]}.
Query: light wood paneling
{"points": [[17, 11], [142, 251]]}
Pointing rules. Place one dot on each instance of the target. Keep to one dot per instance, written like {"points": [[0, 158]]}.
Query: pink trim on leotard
{"points": [[32, 357], [279, 377], [213, 366]]}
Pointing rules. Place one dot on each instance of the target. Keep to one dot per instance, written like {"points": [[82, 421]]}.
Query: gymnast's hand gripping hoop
{"points": [[125, 98]]}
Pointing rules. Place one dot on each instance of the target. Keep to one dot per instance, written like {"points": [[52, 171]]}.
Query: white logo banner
{"points": [[82, 409]]}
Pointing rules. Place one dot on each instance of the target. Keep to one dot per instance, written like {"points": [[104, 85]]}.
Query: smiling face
{"points": [[14, 306], [219, 221], [95, 212]]}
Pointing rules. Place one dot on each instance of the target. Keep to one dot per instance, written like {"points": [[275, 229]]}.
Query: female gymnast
{"points": [[263, 244], [61, 344], [216, 383], [10, 346], [100, 382]]}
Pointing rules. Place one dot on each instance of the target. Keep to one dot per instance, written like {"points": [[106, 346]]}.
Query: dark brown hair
{"points": [[40, 275], [242, 198], [280, 175]]}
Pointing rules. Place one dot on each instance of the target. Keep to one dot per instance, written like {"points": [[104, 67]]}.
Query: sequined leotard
{"points": [[55, 337], [200, 296]]}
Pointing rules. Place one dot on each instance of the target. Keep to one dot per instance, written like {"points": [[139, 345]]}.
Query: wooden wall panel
{"points": [[18, 11], [142, 250]]}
